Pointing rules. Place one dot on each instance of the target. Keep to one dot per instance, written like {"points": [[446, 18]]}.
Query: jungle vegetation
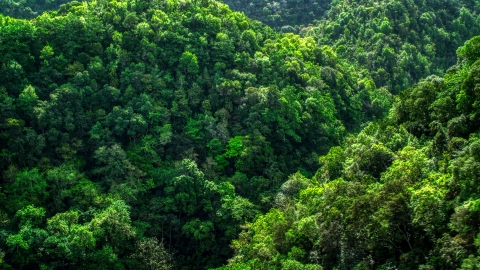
{"points": [[180, 134]]}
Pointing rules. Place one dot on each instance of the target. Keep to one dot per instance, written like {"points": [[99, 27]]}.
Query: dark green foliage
{"points": [[145, 134], [190, 113], [398, 42], [286, 16], [28, 8]]}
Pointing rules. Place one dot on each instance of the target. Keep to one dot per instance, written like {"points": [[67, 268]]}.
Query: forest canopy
{"points": [[28, 9], [399, 42], [185, 117], [403, 193], [180, 134], [285, 15]]}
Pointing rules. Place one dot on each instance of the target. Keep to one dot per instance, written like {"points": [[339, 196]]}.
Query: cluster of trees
{"points": [[28, 8], [146, 133], [284, 15], [401, 41], [128, 128], [401, 194]]}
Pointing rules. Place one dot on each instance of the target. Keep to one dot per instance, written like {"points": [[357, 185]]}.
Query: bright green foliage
{"points": [[189, 63], [28, 187], [402, 193]]}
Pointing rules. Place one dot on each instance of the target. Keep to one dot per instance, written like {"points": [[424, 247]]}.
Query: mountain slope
{"points": [[124, 123], [144, 134], [399, 42], [286, 15], [401, 194]]}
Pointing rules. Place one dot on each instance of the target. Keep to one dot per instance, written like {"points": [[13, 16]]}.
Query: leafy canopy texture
{"points": [[398, 42], [134, 131], [403, 193], [158, 134]]}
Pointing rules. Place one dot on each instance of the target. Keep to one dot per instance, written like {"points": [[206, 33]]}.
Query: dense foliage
{"points": [[146, 134], [286, 15], [400, 41], [402, 194], [28, 8], [127, 122]]}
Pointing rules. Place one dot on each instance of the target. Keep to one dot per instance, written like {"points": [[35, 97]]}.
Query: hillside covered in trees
{"points": [[285, 15], [399, 42], [179, 134], [127, 121], [28, 8], [401, 194]]}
